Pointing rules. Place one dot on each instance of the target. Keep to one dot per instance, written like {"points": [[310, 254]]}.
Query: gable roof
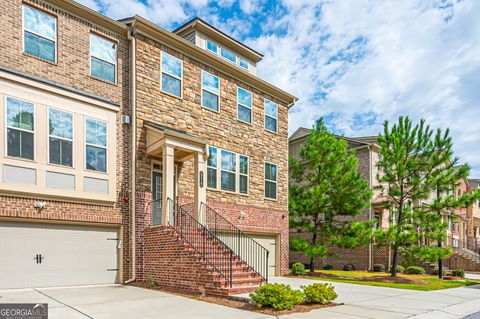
{"points": [[353, 142]]}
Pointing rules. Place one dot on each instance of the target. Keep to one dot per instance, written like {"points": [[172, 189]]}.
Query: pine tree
{"points": [[326, 191]]}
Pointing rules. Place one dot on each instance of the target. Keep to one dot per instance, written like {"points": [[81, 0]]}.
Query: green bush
{"points": [[277, 296], [152, 282], [434, 272], [320, 293], [298, 269], [327, 267], [349, 267], [379, 268], [400, 269], [415, 270], [458, 273]]}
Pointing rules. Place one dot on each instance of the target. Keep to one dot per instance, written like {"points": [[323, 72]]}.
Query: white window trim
{"points": [[206, 47], [237, 172], [266, 115], [246, 106], [59, 137], [240, 63], [241, 174], [172, 75], [236, 56], [95, 145], [210, 91], [19, 129], [39, 35], [90, 59], [264, 180]]}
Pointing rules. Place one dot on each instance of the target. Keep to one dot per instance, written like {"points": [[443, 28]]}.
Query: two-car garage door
{"points": [[42, 255]]}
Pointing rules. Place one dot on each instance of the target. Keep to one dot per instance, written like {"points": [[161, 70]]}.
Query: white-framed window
{"points": [[60, 137], [270, 180], [39, 34], [227, 171], [103, 58], [243, 64], [244, 105], [20, 128], [96, 145], [172, 74], [212, 47], [271, 115], [210, 91], [228, 55]]}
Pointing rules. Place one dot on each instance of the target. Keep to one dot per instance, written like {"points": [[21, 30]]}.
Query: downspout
{"points": [[370, 180], [133, 89]]}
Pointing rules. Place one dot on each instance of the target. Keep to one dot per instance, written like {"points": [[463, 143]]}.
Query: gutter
{"points": [[370, 246], [133, 87]]}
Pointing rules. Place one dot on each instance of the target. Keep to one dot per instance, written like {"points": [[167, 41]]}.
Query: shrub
{"points": [[400, 269], [327, 267], [379, 268], [458, 273], [298, 269], [277, 296], [320, 293], [415, 270], [151, 281], [349, 267], [434, 271]]}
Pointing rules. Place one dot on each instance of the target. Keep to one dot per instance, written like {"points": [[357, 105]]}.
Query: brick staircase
{"points": [[465, 259]]}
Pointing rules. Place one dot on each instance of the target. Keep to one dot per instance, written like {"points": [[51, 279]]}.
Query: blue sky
{"points": [[356, 63]]}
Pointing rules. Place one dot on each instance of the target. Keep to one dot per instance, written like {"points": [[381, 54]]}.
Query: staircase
{"points": [[465, 259]]}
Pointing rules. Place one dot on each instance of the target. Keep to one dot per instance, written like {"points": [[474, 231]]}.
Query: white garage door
{"points": [[42, 255], [269, 242]]}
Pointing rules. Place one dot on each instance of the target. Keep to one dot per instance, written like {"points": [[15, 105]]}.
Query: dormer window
{"points": [[212, 47], [243, 64], [229, 55]]}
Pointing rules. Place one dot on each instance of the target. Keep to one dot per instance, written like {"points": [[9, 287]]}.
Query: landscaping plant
{"points": [[326, 192], [319, 293], [277, 296], [415, 270], [458, 273], [349, 267], [327, 267], [298, 269], [400, 269], [379, 268]]}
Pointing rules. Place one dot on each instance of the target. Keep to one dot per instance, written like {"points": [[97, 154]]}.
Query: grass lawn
{"points": [[361, 278]]}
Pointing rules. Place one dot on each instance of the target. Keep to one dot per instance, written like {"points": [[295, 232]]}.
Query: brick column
{"points": [[143, 220]]}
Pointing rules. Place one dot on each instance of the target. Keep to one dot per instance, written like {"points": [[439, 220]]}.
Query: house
{"points": [[165, 157]]}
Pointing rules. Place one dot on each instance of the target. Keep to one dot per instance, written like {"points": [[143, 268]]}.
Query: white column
{"points": [[200, 186], [168, 170]]}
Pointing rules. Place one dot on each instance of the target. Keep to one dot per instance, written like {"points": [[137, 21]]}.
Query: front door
{"points": [[157, 183]]}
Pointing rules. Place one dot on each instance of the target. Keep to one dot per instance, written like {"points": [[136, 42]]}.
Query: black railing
{"points": [[210, 248], [243, 246]]}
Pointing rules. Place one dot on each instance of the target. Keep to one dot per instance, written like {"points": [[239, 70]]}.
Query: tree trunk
{"points": [[393, 271], [312, 260]]}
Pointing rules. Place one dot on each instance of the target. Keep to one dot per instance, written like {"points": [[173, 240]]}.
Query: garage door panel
{"points": [[72, 255]]}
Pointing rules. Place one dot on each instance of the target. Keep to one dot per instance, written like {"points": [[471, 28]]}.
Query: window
{"points": [[271, 116], [244, 101], [171, 81], [243, 63], [212, 167], [270, 180], [20, 128], [243, 187], [39, 34], [212, 47], [229, 168], [228, 55], [103, 58], [96, 145], [60, 140], [210, 91]]}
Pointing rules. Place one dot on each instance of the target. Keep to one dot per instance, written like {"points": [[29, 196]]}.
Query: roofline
{"points": [[176, 42], [195, 20], [365, 144]]}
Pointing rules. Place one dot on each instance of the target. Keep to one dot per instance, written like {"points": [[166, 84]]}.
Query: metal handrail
{"points": [[202, 240]]}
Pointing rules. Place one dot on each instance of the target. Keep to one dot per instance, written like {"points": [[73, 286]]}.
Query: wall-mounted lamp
{"points": [[40, 205], [242, 214]]}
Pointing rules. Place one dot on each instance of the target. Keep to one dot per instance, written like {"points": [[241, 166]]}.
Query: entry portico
{"points": [[174, 146]]}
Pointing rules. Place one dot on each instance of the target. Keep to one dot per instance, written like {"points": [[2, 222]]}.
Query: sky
{"points": [[356, 63]]}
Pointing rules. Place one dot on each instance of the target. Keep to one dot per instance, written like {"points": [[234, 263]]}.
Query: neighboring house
{"points": [[209, 141]]}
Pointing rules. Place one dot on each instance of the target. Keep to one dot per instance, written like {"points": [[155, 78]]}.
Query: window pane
{"points": [[211, 177], [13, 143], [271, 108], [171, 85], [228, 181], [244, 64], [60, 152], [212, 46], [96, 132], [244, 114], [210, 100], [102, 48], [243, 164], [171, 64], [270, 190], [243, 184], [19, 114], [39, 22], [60, 124], [212, 157], [26, 146], [102, 70], [229, 55], [210, 82], [39, 47], [96, 158], [228, 161], [19, 144], [244, 97], [270, 172], [270, 124]]}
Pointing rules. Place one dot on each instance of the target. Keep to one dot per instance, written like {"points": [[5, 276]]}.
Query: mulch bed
{"points": [[242, 305]]}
